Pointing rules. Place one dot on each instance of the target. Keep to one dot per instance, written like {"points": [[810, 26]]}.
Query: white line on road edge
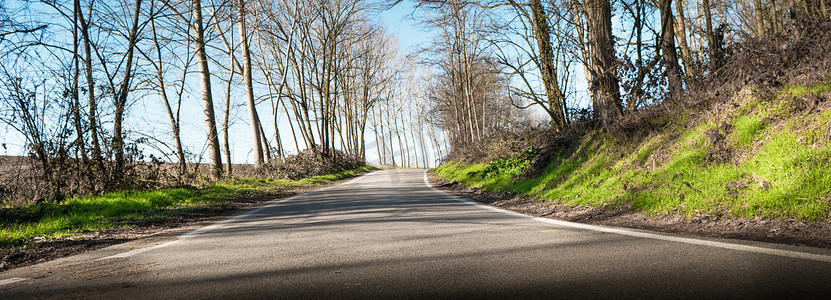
{"points": [[219, 224], [194, 233], [692, 241], [12, 280]]}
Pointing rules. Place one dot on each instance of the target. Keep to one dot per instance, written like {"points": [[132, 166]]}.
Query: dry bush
{"points": [[500, 145], [770, 63], [309, 163]]}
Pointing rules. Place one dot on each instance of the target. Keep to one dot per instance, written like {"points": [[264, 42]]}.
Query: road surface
{"points": [[389, 235]]}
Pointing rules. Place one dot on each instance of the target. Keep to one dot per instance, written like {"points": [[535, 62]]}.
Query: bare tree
{"points": [[198, 32], [670, 57], [248, 84], [158, 63], [121, 96]]}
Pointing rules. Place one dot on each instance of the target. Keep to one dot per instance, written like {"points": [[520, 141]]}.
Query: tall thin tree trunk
{"points": [[401, 149], [415, 141], [760, 20], [392, 145], [76, 101], [548, 70], [121, 98], [93, 103], [249, 88], [214, 155], [637, 93], [670, 57], [777, 18], [174, 123], [275, 110], [291, 125], [265, 146], [711, 40], [405, 151], [226, 124], [378, 140], [279, 142], [434, 143], [681, 36], [424, 152]]}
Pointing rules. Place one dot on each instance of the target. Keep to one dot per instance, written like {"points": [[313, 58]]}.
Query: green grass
{"points": [[125, 208], [746, 128], [783, 171]]}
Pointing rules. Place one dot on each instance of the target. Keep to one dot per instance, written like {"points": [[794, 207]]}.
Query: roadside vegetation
{"points": [[756, 156], [133, 207], [751, 141]]}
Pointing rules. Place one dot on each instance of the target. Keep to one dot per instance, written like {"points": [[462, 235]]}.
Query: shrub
{"points": [[309, 163], [511, 166]]}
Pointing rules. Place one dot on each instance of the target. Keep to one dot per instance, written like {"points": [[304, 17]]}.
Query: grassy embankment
{"points": [[767, 157], [120, 209]]}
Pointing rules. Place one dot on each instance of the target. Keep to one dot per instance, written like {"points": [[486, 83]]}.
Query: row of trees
{"points": [[72, 71], [633, 53]]}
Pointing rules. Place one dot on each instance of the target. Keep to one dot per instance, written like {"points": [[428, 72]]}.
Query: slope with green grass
{"points": [[122, 209], [762, 155]]}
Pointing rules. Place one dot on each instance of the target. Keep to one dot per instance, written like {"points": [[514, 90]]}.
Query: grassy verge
{"points": [[121, 209], [768, 158]]}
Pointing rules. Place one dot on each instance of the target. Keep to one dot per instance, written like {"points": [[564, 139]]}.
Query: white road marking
{"points": [[12, 280], [686, 240], [219, 224], [196, 232]]}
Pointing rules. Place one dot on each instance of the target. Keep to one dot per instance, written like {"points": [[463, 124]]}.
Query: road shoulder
{"points": [[788, 232], [143, 235]]}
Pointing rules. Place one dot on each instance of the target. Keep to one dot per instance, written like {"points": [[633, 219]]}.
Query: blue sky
{"points": [[397, 21]]}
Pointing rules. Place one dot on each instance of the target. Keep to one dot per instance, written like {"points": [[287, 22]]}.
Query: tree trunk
{"points": [[424, 153], [275, 109], [760, 20], [174, 123], [93, 103], [121, 98], [777, 21], [637, 89], [249, 87], [379, 141], [606, 101], [214, 155], [400, 144], [670, 57], [554, 95], [392, 145], [711, 40], [681, 36], [226, 124], [415, 141], [405, 151], [76, 101], [266, 148]]}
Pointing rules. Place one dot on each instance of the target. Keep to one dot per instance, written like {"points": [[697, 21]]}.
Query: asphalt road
{"points": [[389, 235]]}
